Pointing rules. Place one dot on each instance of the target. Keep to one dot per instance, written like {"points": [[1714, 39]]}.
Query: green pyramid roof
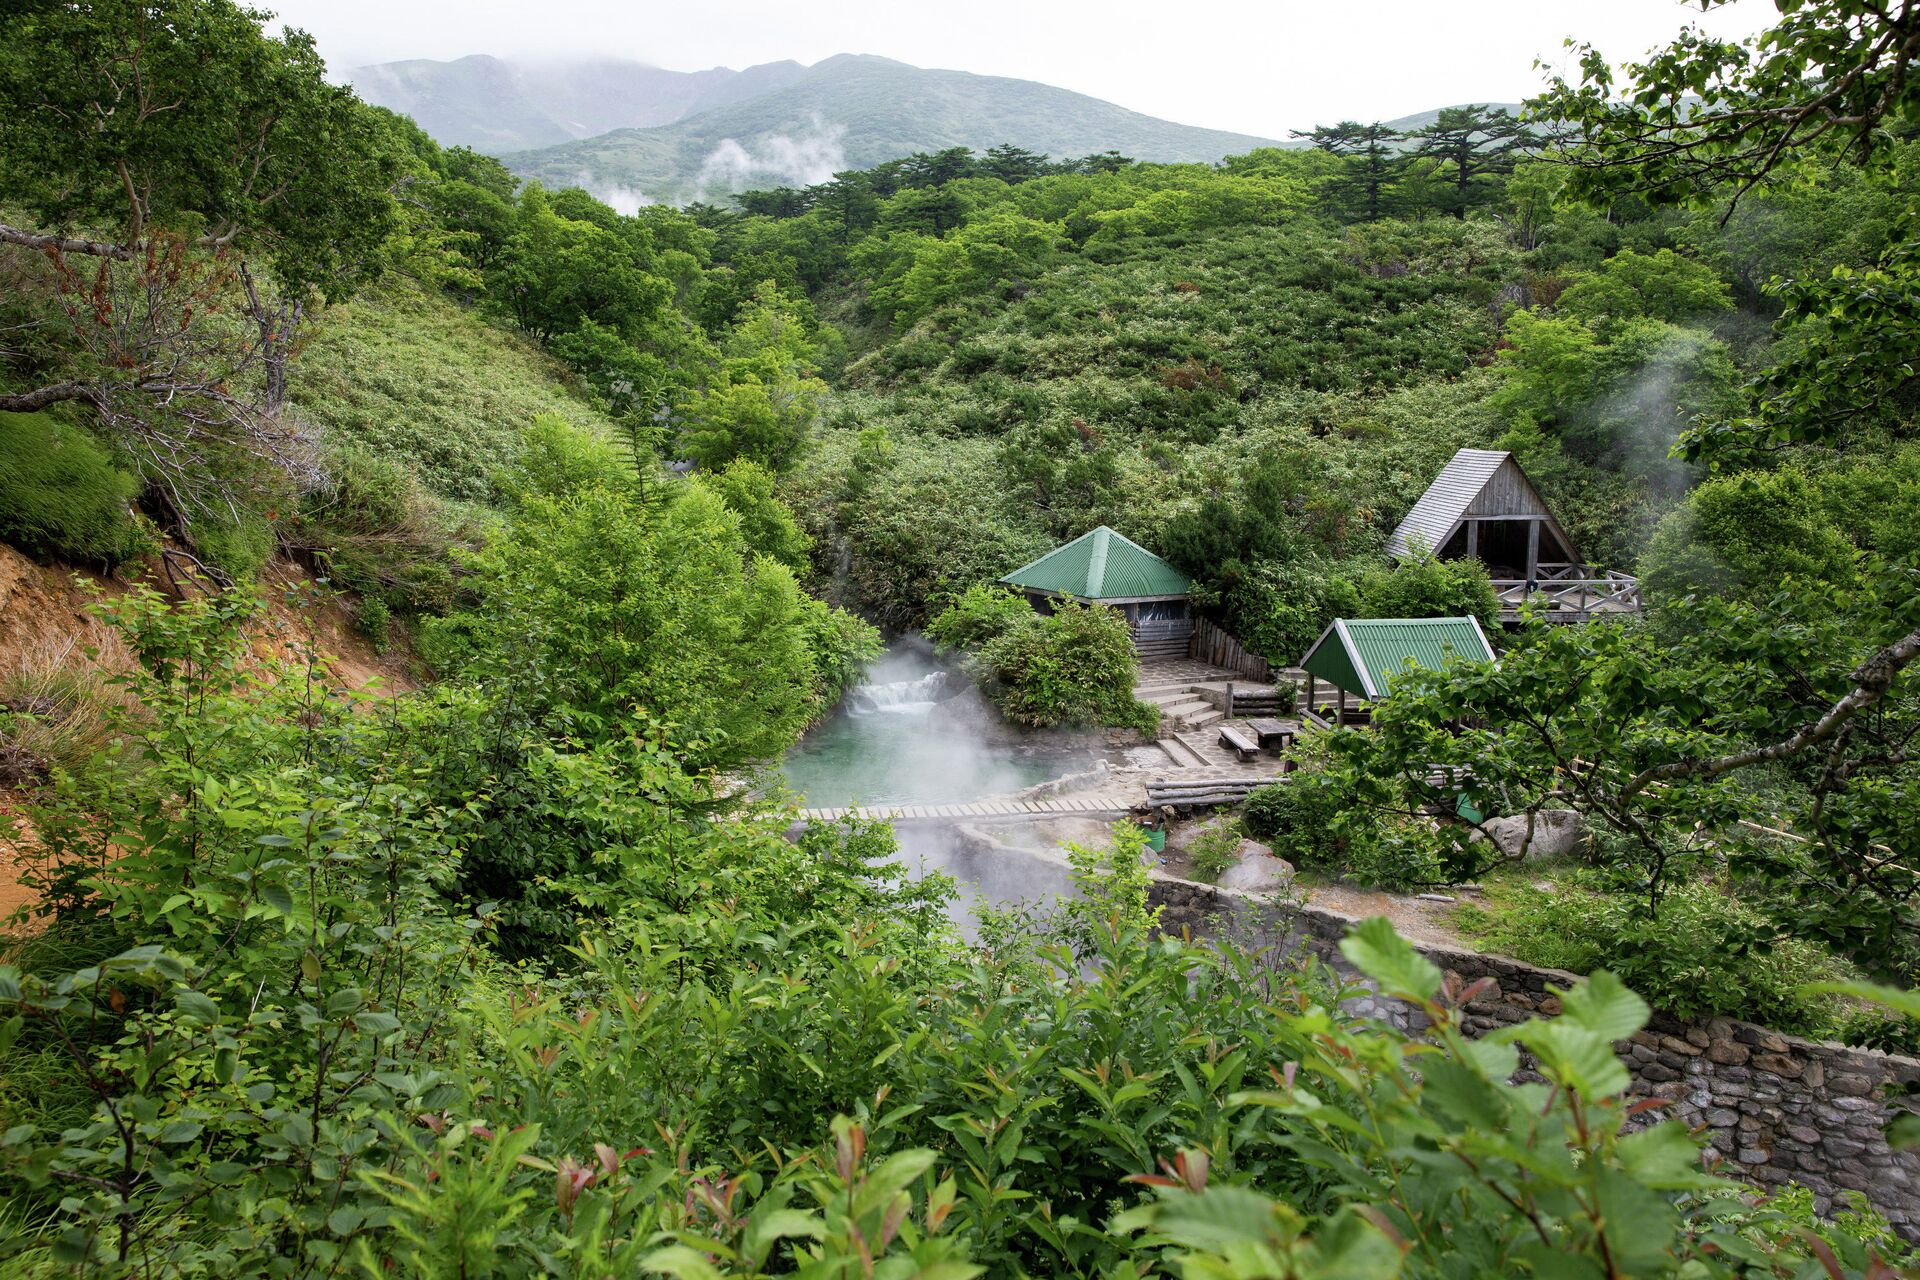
{"points": [[1362, 655], [1102, 565]]}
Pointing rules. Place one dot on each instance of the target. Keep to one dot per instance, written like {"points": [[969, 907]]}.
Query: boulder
{"points": [[1556, 833], [1256, 870]]}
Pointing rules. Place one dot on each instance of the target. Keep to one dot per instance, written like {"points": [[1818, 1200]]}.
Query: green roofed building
{"points": [[1361, 656], [1102, 566]]}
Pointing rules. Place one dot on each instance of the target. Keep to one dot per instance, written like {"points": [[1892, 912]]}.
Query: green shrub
{"points": [[237, 542], [1073, 667], [1214, 850], [1307, 818], [978, 616], [1425, 586], [61, 496], [371, 620], [1704, 953], [375, 530]]}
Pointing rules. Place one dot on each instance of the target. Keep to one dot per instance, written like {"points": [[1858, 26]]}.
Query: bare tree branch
{"points": [[1871, 680], [63, 244], [29, 401]]}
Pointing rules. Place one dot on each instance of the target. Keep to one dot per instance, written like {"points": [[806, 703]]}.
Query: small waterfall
{"points": [[901, 695]]}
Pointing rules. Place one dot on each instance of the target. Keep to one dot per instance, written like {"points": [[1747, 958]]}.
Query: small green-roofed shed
{"points": [[1361, 656], [1102, 566]]}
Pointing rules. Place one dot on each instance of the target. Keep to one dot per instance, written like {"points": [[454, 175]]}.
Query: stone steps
{"points": [[1180, 753]]}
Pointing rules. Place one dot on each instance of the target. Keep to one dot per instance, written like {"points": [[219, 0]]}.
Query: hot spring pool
{"points": [[906, 737]]}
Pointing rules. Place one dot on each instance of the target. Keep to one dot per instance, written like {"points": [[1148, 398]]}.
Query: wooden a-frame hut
{"points": [[1482, 506]]}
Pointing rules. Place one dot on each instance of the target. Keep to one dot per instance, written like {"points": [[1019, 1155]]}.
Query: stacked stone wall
{"points": [[1778, 1107]]}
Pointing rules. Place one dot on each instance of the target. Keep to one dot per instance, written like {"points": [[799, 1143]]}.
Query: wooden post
{"points": [[1340, 714], [1229, 699], [1533, 551], [1473, 539]]}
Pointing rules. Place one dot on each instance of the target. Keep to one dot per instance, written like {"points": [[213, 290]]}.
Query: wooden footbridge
{"points": [[982, 810]]}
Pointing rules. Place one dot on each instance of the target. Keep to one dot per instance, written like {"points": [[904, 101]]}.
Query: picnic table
{"points": [[1274, 735]]}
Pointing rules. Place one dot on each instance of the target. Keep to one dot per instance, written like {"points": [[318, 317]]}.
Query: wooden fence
{"points": [[1162, 638], [1212, 643]]}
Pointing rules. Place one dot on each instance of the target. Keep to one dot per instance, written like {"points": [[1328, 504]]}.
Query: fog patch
{"points": [[623, 200], [778, 160], [988, 873]]}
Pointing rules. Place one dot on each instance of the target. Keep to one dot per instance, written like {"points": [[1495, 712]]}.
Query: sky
{"points": [[1254, 66]]}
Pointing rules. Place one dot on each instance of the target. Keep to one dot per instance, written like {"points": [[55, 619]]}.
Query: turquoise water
{"points": [[896, 740]]}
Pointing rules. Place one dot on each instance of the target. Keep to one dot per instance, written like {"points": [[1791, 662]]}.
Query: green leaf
{"points": [[1350, 1247], [1216, 1219], [1376, 950], [1602, 1004], [197, 1005], [276, 897], [1907, 1002], [1575, 1057], [681, 1262]]}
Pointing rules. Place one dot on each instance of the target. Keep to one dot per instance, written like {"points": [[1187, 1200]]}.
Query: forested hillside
{"points": [[529, 970]]}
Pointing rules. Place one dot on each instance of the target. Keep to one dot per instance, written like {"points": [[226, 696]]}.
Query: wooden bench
{"points": [[1274, 735], [1238, 743]]}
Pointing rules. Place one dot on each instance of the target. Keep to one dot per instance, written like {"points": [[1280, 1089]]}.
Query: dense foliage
{"points": [[1071, 666], [518, 975]]}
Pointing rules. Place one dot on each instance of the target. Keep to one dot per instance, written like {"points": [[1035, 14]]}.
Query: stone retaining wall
{"points": [[1781, 1108]]}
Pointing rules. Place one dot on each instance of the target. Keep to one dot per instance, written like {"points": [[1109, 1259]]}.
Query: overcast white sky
{"points": [[1260, 68]]}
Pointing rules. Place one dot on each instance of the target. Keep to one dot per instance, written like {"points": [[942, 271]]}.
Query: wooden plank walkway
{"points": [[1065, 807]]}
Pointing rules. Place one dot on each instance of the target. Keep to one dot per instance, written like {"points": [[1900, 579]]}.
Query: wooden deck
{"points": [[1566, 597]]}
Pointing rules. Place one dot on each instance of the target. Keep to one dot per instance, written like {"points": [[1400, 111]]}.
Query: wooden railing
{"points": [[1567, 596], [1212, 643]]}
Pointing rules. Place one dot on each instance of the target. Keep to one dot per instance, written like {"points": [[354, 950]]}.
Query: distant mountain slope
{"points": [[495, 105], [852, 111]]}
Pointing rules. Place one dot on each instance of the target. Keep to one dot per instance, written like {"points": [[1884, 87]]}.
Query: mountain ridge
{"points": [[858, 110], [699, 134]]}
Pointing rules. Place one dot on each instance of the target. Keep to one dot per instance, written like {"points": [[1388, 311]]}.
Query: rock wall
{"points": [[1780, 1108]]}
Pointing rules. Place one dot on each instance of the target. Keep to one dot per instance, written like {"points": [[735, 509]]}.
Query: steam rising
{"points": [[623, 200], [774, 161], [916, 733]]}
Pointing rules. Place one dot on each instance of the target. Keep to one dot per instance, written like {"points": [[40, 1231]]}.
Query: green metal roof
{"points": [[1362, 655], [1101, 565]]}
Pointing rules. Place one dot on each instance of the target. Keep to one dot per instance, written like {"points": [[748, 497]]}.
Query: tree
{"points": [[1013, 164], [763, 399], [767, 525], [1426, 586], [187, 154], [936, 169], [619, 616], [1468, 146], [849, 200], [1372, 164]]}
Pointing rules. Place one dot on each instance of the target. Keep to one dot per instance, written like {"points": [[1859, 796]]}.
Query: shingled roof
{"points": [[1361, 655], [1102, 565], [1466, 488]]}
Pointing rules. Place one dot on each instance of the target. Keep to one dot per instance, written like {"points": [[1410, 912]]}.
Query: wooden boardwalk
{"points": [[1066, 807]]}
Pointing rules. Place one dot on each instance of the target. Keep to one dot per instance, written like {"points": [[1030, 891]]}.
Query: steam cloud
{"points": [[623, 200], [777, 160]]}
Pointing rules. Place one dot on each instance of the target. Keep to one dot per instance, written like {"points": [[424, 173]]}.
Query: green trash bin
{"points": [[1156, 840]]}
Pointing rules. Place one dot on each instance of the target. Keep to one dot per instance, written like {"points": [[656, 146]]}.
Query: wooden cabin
{"points": [[1483, 507], [1359, 657], [1106, 568]]}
